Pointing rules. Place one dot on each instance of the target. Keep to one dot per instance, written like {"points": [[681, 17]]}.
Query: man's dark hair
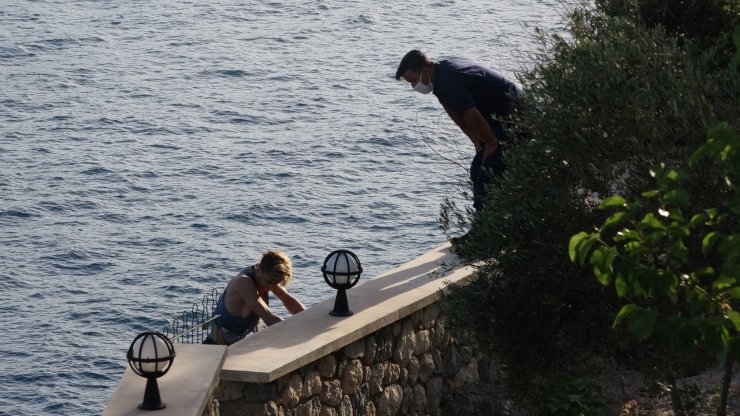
{"points": [[415, 60]]}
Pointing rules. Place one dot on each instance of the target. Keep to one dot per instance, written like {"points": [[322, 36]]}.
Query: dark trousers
{"points": [[482, 173]]}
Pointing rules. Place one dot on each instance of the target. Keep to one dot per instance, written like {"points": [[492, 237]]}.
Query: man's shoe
{"points": [[457, 242], [460, 240]]}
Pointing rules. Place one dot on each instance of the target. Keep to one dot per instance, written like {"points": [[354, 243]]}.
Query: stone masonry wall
{"points": [[408, 368]]}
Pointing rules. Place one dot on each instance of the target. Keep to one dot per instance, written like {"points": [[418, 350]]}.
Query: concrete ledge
{"points": [[284, 347], [184, 389]]}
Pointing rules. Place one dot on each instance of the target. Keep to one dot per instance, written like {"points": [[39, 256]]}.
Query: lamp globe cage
{"points": [[151, 355], [342, 270]]}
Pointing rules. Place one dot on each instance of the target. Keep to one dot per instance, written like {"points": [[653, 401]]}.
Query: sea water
{"points": [[151, 149]]}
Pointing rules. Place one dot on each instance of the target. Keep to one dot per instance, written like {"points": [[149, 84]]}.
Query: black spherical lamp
{"points": [[150, 355], [341, 271]]}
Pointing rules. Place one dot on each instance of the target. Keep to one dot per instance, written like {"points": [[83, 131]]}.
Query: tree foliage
{"points": [[674, 262], [601, 107], [707, 22]]}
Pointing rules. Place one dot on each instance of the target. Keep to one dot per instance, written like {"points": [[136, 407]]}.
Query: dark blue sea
{"points": [[151, 149]]}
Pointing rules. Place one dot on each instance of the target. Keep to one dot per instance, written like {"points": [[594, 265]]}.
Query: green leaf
{"points": [[602, 259], [678, 197], [726, 152], [719, 135], [678, 231], [641, 322], [573, 244], [621, 285], [652, 222], [668, 285], [724, 282], [735, 204], [697, 219], [702, 272], [678, 251], [735, 62], [603, 278], [734, 292], [635, 247], [718, 338], [721, 218], [730, 248], [701, 152], [623, 313], [676, 215], [645, 281], [650, 194], [712, 214], [675, 175], [730, 272], [734, 317], [617, 218], [627, 235], [654, 238], [583, 247], [613, 202], [709, 241]]}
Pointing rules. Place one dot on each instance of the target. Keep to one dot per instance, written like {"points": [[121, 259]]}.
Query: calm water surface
{"points": [[150, 149]]}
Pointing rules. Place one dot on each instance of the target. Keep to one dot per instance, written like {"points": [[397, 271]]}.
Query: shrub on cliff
{"points": [[706, 22], [675, 264], [601, 107]]}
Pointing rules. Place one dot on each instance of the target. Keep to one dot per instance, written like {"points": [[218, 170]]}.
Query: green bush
{"points": [[675, 264], [704, 21], [575, 397], [602, 106]]}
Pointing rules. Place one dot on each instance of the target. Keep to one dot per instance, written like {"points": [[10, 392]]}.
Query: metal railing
{"points": [[193, 326]]}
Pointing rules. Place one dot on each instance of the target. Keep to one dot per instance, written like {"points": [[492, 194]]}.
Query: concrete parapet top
{"points": [[288, 345], [184, 389]]}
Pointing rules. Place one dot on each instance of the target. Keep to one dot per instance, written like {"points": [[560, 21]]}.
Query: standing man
{"points": [[477, 99]]}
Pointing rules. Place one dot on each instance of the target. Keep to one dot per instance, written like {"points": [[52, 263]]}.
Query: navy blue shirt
{"points": [[460, 84]]}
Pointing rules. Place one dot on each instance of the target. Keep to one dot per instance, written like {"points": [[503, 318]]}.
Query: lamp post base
{"points": [[341, 307], [152, 400], [160, 407]]}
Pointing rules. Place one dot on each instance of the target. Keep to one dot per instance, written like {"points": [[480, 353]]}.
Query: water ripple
{"points": [[13, 213]]}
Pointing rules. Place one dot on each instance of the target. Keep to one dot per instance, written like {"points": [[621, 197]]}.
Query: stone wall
{"points": [[407, 368]]}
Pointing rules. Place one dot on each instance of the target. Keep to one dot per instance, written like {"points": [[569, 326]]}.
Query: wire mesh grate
{"points": [[193, 326]]}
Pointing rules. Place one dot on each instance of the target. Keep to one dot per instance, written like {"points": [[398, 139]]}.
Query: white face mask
{"points": [[423, 88]]}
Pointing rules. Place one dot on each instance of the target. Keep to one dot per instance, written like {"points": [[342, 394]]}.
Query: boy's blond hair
{"points": [[277, 266]]}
